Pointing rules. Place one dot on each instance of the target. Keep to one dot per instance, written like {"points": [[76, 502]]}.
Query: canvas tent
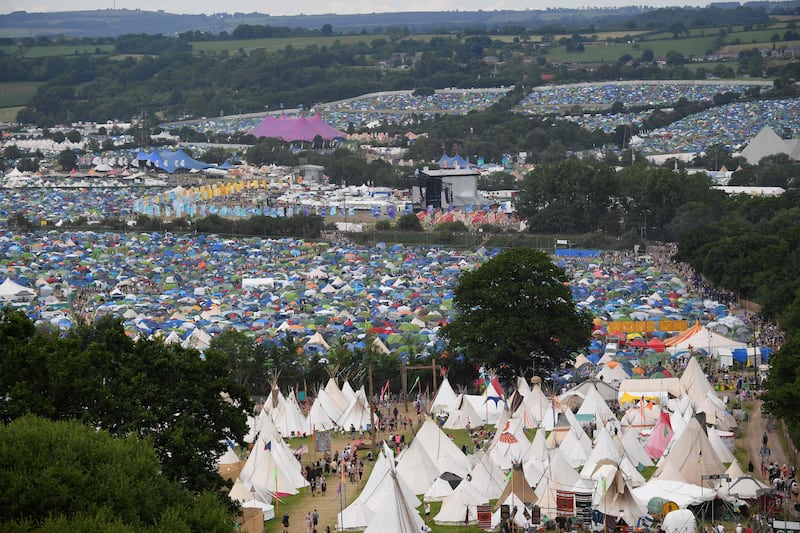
{"points": [[679, 521], [487, 478], [706, 339], [462, 413], [746, 487], [461, 507], [293, 129], [690, 457], [766, 143], [445, 397], [11, 291], [659, 438], [384, 495], [619, 501]]}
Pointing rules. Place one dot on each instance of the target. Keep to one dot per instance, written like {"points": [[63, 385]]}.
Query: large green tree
{"points": [[99, 376], [64, 476], [571, 196], [783, 385], [516, 314]]}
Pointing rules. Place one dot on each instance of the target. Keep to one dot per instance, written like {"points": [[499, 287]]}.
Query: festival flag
{"points": [[268, 446], [641, 407], [416, 381], [384, 390]]}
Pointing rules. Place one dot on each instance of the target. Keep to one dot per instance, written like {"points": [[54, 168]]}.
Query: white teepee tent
{"points": [[461, 414], [461, 507], [487, 478], [445, 397]]}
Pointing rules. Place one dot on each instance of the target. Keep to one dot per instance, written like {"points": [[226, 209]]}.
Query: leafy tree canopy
{"points": [[187, 405], [516, 314], [64, 476]]}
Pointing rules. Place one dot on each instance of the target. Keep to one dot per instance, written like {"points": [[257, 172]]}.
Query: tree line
{"points": [[162, 76]]}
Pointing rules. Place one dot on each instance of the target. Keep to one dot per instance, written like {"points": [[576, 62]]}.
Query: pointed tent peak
{"points": [[333, 371], [734, 471], [495, 383], [522, 385], [518, 486], [444, 398], [348, 391], [379, 345], [318, 340]]}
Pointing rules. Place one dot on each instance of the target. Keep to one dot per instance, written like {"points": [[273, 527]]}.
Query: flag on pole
{"points": [[384, 390], [416, 381]]}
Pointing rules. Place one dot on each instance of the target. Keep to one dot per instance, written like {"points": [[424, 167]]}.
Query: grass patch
{"points": [[603, 52], [17, 93], [66, 50], [9, 114], [648, 471], [766, 45]]}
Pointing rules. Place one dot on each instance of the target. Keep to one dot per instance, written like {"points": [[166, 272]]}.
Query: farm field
{"points": [[692, 46], [66, 50], [9, 114], [736, 48], [17, 93], [279, 43]]}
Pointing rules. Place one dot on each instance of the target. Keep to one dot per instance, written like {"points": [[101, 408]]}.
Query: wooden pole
{"points": [[372, 429], [404, 383]]}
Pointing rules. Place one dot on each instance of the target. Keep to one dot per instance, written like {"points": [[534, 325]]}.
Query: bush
{"points": [[383, 225], [409, 222], [452, 227]]}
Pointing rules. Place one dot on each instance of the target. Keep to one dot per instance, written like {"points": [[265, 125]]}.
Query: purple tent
{"points": [[292, 129]]}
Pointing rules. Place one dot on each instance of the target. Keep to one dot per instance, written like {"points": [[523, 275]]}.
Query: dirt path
{"points": [[329, 505], [757, 425]]}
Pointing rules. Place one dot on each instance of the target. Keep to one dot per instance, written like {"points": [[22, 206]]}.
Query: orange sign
{"points": [[647, 326]]}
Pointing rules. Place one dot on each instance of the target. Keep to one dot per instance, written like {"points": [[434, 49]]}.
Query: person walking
{"points": [[309, 523]]}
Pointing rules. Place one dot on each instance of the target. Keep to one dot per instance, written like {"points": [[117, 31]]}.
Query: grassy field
{"points": [[601, 36], [279, 43], [9, 114], [736, 48], [17, 93], [66, 50], [693, 46]]}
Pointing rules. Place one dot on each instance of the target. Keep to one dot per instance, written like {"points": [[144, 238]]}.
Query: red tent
{"points": [[656, 344]]}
